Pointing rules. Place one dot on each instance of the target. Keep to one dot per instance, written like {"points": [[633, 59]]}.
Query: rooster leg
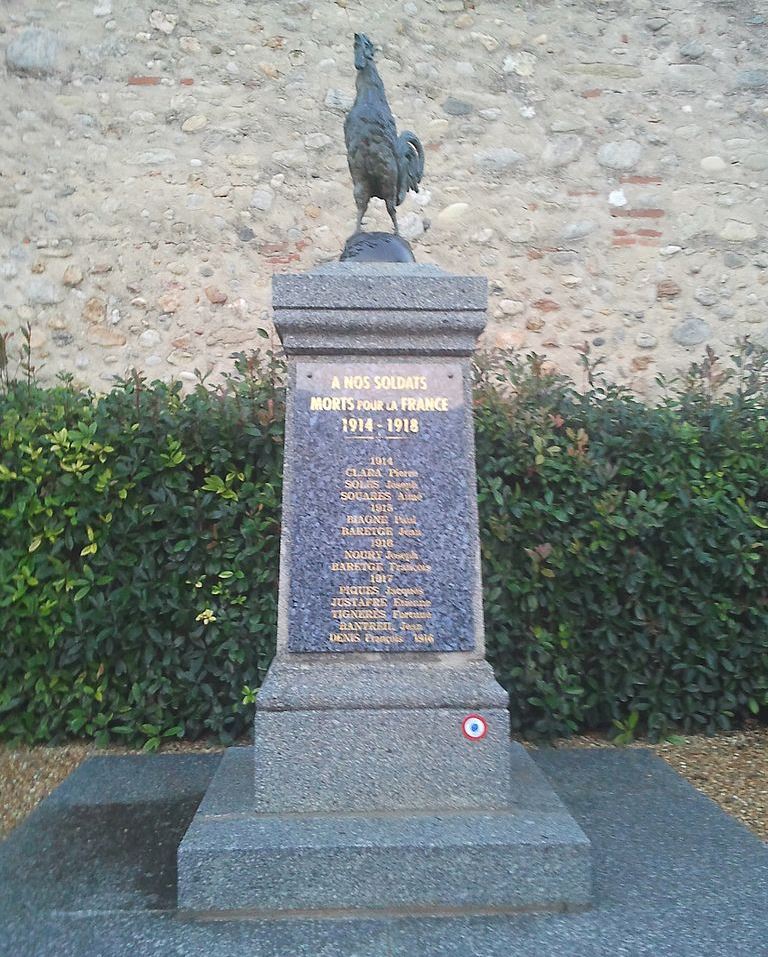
{"points": [[393, 215], [362, 198]]}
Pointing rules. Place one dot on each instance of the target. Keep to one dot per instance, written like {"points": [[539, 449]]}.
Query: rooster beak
{"points": [[360, 57]]}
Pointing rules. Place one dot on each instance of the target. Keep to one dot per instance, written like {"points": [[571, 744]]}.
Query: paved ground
{"points": [[604, 163], [730, 767], [91, 873]]}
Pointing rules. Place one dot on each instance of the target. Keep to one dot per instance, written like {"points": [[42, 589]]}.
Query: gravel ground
{"points": [[732, 769]]}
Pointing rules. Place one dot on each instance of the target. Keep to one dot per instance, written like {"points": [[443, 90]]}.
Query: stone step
{"points": [[236, 862]]}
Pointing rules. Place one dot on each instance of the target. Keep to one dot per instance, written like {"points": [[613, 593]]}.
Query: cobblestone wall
{"points": [[604, 163]]}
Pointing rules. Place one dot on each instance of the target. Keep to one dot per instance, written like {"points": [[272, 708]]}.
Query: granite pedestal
{"points": [[382, 779]]}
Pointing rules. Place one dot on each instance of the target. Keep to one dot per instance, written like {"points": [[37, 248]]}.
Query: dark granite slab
{"points": [[381, 516], [674, 876]]}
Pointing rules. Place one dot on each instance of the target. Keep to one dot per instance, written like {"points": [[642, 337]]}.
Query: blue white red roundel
{"points": [[474, 728]]}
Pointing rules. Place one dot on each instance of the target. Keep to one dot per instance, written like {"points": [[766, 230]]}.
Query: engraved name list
{"points": [[379, 555]]}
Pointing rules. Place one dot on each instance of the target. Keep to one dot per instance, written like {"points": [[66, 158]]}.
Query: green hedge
{"points": [[624, 552], [624, 548], [139, 557]]}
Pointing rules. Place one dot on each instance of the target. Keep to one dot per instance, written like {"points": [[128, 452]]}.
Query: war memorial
{"points": [[382, 809], [381, 739]]}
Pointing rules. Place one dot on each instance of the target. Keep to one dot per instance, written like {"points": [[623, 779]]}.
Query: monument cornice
{"points": [[379, 309]]}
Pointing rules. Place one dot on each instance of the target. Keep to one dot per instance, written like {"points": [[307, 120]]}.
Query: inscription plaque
{"points": [[382, 553]]}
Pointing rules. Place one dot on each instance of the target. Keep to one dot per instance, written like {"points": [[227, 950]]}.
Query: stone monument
{"points": [[382, 777]]}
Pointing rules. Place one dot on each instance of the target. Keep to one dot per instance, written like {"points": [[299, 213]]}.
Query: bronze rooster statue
{"points": [[381, 163]]}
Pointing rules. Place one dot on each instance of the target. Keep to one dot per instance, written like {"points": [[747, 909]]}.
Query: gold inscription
{"points": [[381, 494]]}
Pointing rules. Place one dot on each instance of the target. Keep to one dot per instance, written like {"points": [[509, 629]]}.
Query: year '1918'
{"points": [[395, 426]]}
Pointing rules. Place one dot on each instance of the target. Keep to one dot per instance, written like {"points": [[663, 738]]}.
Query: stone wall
{"points": [[604, 163]]}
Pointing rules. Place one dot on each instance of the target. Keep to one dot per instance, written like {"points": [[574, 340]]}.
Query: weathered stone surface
{"points": [[34, 51], [562, 150], [645, 341], [667, 289], [705, 296], [455, 107], [149, 338], [154, 157], [162, 21], [752, 79], [498, 159], [610, 70], [262, 199], [43, 292], [106, 337], [735, 231], [578, 230], [452, 214], [95, 310], [73, 276], [689, 77], [692, 50], [622, 155], [690, 332], [755, 161], [411, 226], [734, 260], [188, 197], [215, 296], [521, 63], [194, 123], [511, 307], [339, 100], [713, 164]]}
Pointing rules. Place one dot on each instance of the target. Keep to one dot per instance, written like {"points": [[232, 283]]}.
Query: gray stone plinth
{"points": [[386, 736], [379, 761], [531, 855], [361, 318], [314, 683]]}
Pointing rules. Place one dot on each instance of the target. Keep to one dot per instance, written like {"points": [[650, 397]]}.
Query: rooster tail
{"points": [[410, 164]]}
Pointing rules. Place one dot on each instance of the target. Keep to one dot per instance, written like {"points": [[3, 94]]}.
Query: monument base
{"points": [[234, 862], [366, 802]]}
